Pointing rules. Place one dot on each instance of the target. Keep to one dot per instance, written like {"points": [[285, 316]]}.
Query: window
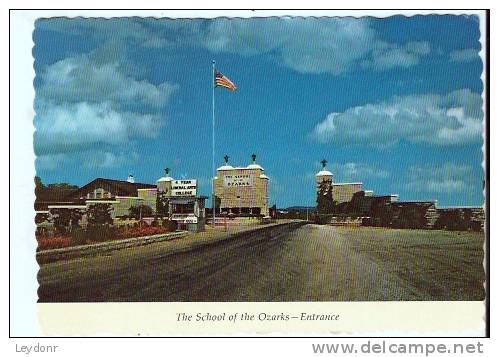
{"points": [[183, 208]]}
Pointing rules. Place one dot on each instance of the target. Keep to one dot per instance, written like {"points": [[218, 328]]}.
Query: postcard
{"points": [[258, 173]]}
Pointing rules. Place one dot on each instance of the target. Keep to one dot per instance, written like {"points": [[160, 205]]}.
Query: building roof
{"points": [[116, 187], [254, 166], [407, 203], [67, 206], [324, 173], [165, 179], [249, 167], [52, 195], [225, 168]]}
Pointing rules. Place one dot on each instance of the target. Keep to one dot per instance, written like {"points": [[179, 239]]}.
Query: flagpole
{"points": [[213, 143]]}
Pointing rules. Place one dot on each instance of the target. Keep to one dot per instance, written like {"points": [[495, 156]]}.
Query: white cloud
{"points": [[130, 30], [466, 55], [357, 171], [387, 55], [81, 126], [449, 119], [83, 79], [106, 159], [90, 159], [305, 45], [50, 162], [446, 178], [332, 45], [311, 45], [93, 102]]}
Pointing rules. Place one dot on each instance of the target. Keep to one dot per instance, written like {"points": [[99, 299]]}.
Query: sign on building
{"points": [[185, 218], [239, 180], [184, 188]]}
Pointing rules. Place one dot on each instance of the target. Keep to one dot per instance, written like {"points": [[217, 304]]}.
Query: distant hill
{"points": [[300, 209]]}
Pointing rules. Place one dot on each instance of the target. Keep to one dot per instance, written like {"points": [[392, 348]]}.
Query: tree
{"points": [[42, 217], [325, 202], [38, 182], [100, 223], [140, 211], [218, 202], [273, 210], [61, 185], [162, 205], [66, 219], [100, 214]]}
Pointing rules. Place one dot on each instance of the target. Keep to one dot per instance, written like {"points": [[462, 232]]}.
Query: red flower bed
{"points": [[45, 243], [141, 232]]}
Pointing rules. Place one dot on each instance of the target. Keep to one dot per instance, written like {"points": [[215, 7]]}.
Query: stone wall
{"points": [[381, 211], [413, 214], [461, 218], [344, 192]]}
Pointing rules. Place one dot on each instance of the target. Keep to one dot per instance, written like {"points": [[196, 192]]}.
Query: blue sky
{"points": [[394, 103]]}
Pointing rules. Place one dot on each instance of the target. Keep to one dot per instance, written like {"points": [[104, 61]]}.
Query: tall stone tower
{"points": [[323, 177], [324, 190], [165, 183]]}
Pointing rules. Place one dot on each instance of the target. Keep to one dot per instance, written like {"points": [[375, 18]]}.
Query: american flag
{"points": [[222, 81]]}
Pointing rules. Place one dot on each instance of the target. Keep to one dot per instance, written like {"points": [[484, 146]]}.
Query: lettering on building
{"points": [[183, 188], [239, 180]]}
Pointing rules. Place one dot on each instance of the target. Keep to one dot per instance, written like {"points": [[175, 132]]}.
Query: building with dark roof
{"points": [[45, 196], [99, 188], [179, 196], [102, 188]]}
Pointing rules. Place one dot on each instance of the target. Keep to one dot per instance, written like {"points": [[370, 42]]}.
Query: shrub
{"points": [[323, 219], [78, 237], [171, 226], [162, 204], [142, 232], [140, 211], [101, 232], [100, 214], [64, 218], [54, 242]]}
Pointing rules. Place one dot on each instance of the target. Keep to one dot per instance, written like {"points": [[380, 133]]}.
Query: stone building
{"points": [[348, 203], [344, 191], [241, 191], [339, 191]]}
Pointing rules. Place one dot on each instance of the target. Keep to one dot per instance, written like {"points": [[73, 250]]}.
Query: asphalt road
{"points": [[312, 263]]}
